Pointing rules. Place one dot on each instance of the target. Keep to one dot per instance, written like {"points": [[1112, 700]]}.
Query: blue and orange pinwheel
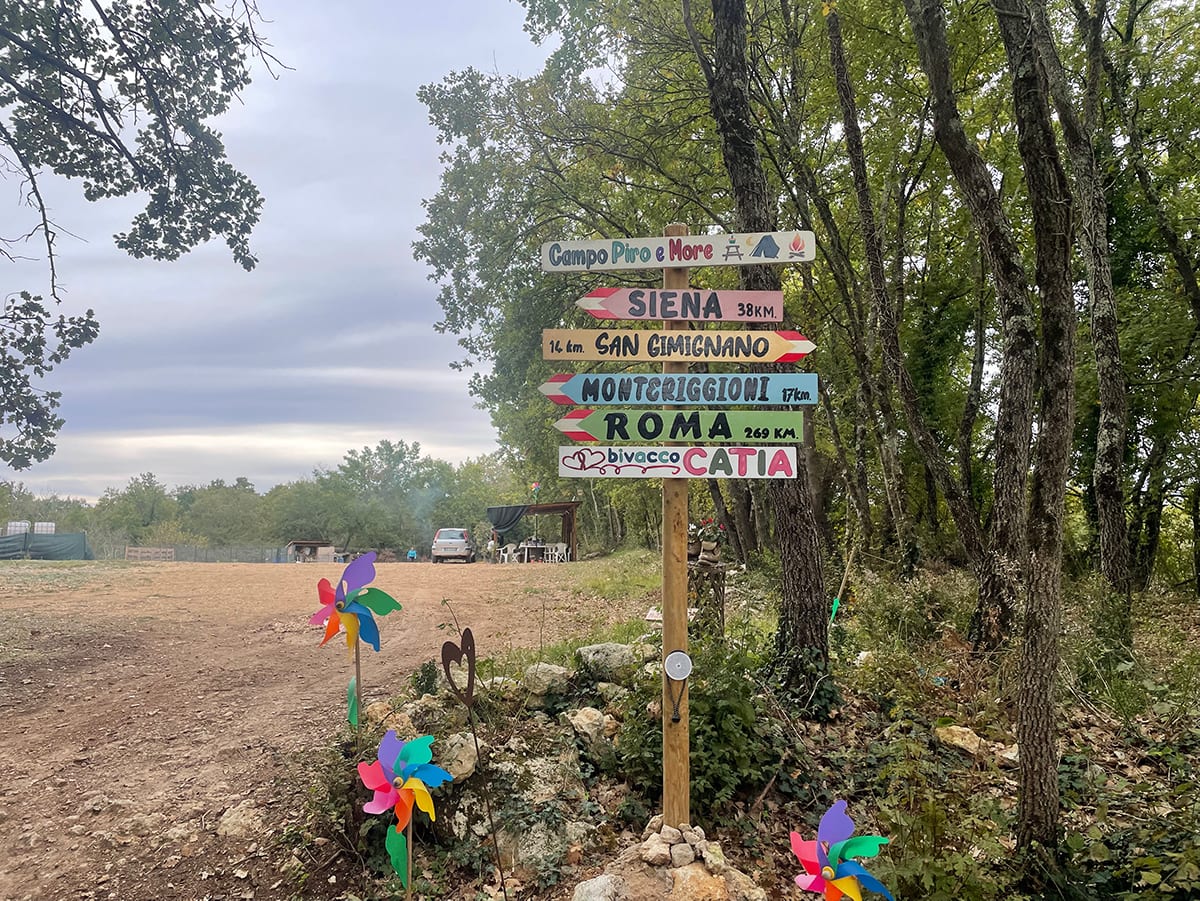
{"points": [[828, 870], [352, 604], [402, 777]]}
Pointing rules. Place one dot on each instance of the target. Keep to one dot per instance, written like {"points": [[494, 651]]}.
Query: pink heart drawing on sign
{"points": [[583, 460]]}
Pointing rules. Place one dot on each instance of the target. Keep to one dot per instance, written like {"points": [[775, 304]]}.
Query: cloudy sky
{"points": [[205, 371]]}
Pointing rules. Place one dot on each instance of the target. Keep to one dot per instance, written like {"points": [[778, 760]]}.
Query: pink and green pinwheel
{"points": [[401, 777], [828, 869], [352, 604]]}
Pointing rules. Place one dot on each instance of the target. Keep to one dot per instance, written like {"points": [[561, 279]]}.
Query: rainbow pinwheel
{"points": [[352, 604], [828, 869], [402, 777]]}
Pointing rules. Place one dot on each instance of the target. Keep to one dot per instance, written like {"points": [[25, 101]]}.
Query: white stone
{"points": [[242, 821], [608, 662], [602, 888], [714, 858], [588, 723], [457, 756], [543, 678], [682, 854], [670, 834], [655, 851]]}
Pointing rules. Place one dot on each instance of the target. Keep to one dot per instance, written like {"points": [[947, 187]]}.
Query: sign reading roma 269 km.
{"points": [[681, 425], [690, 250], [678, 462]]}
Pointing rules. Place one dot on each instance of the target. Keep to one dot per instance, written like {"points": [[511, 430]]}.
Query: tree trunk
{"points": [[873, 247], [1050, 205], [739, 498], [1014, 421], [1194, 500], [802, 640], [718, 499], [1092, 233]]}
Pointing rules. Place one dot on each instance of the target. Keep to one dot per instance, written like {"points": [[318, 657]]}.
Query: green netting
{"points": [[64, 546]]}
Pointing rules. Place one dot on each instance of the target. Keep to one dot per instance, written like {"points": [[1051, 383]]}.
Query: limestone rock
{"points": [[741, 887], [457, 756], [670, 834], [242, 821], [603, 888], [694, 883], [608, 662], [546, 678], [611, 692], [656, 851], [714, 858], [588, 723], [653, 826], [959, 737], [682, 854], [388, 717]]}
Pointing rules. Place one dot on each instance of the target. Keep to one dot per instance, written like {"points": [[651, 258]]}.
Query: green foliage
{"points": [[120, 96], [425, 680], [737, 746], [32, 343]]}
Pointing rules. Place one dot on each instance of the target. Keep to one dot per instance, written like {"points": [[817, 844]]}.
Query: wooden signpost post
{"points": [[675, 346]]}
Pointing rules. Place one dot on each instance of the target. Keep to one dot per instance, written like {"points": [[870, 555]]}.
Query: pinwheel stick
{"points": [[358, 686], [410, 856]]}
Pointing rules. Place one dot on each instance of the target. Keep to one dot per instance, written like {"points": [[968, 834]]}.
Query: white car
{"points": [[452, 544]]}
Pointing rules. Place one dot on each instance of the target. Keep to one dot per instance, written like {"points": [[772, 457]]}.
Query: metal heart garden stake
{"points": [[456, 654], [452, 653]]}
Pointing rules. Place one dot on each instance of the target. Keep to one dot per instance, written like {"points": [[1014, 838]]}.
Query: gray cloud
{"points": [[205, 371]]}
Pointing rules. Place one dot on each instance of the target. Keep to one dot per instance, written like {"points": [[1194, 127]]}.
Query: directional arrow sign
{"points": [[686, 346], [692, 388], [627, 462], [694, 305], [681, 425], [750, 249]]}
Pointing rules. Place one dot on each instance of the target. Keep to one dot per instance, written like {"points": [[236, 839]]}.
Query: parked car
{"points": [[452, 544]]}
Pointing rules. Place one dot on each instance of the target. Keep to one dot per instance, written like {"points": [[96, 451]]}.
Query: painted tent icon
{"points": [[766, 247]]}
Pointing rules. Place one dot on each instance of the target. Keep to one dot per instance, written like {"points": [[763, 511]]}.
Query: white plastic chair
{"points": [[508, 553], [557, 553]]}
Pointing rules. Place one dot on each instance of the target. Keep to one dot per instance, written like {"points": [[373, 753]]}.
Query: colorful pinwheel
{"points": [[828, 869], [401, 777], [352, 604]]}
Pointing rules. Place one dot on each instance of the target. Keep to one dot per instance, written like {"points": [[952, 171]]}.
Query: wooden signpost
{"points": [[675, 346]]}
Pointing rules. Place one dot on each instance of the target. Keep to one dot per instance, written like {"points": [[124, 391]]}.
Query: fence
{"points": [[191, 553]]}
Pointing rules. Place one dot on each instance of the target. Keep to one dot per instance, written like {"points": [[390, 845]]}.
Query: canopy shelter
{"points": [[505, 519]]}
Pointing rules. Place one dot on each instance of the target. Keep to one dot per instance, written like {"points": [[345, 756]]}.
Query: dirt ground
{"points": [[150, 714]]}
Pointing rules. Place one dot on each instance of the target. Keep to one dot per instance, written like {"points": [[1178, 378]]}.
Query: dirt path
{"points": [[139, 703]]}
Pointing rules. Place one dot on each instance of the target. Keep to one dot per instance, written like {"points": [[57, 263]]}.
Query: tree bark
{"points": [[802, 639], [1091, 208], [998, 562], [735, 540], [1050, 205], [884, 306]]}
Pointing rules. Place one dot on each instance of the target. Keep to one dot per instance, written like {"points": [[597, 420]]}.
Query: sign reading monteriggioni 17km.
{"points": [[685, 388], [679, 346], [693, 305], [678, 462], [681, 425], [687, 251]]}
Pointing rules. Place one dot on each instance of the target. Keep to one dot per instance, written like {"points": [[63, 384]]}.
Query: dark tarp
{"points": [[505, 519], [63, 546]]}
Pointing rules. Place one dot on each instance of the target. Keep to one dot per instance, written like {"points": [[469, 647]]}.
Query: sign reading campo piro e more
{"points": [[679, 346], [748, 249], [695, 305], [681, 425], [718, 389], [677, 462]]}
